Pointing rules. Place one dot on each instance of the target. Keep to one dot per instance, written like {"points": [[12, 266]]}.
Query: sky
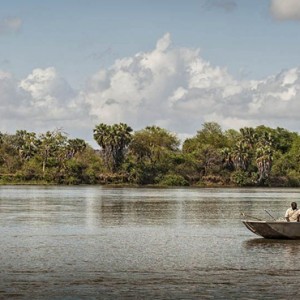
{"points": [[72, 64]]}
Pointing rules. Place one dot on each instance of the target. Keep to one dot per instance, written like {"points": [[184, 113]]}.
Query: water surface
{"points": [[124, 243]]}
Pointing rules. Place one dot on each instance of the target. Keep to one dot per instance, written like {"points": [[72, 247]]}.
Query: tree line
{"points": [[260, 156]]}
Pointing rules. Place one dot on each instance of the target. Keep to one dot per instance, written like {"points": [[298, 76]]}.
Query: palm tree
{"points": [[264, 157], [240, 156], [113, 139], [52, 145], [75, 146], [26, 143], [227, 158], [249, 136]]}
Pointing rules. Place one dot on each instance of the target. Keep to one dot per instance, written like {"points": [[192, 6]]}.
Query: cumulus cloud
{"points": [[47, 89], [10, 25], [285, 10], [41, 101], [171, 87], [177, 89]]}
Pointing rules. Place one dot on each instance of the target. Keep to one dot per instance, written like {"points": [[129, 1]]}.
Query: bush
{"points": [[212, 180], [293, 178], [173, 180], [279, 181], [242, 178], [30, 171]]}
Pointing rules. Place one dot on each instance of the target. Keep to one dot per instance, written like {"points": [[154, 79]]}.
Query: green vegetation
{"points": [[260, 156]]}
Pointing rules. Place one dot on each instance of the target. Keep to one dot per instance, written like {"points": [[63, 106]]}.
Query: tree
{"points": [[153, 143], [243, 150], [52, 148], [287, 165], [26, 144], [9, 158], [151, 152], [283, 139], [114, 140], [75, 146], [206, 151], [249, 136], [211, 134], [232, 136], [264, 156], [209, 159], [227, 159], [241, 156]]}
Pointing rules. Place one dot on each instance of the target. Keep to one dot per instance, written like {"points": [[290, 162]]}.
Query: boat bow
{"points": [[274, 229]]}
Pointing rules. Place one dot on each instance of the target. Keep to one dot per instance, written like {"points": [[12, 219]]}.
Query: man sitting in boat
{"points": [[293, 213]]}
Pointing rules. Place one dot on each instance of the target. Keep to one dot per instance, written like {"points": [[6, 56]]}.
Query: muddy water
{"points": [[130, 243]]}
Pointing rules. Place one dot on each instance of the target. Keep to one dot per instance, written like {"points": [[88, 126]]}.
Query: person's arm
{"points": [[287, 216]]}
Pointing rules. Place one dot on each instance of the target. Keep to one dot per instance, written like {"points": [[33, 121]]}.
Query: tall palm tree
{"points": [[52, 145], [227, 158], [240, 156], [249, 136], [113, 139], [264, 157], [26, 143], [75, 146]]}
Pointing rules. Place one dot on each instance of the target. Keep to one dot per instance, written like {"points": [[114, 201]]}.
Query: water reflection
{"points": [[288, 248], [82, 242], [122, 206]]}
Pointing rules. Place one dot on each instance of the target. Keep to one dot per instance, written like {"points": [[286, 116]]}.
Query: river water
{"points": [[139, 243]]}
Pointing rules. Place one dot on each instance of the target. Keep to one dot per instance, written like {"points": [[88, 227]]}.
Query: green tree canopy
{"points": [[113, 140], [151, 152]]}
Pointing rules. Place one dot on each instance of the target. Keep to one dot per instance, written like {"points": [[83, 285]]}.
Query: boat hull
{"points": [[274, 230]]}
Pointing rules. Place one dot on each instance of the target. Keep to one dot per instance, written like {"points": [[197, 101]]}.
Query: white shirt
{"points": [[292, 214]]}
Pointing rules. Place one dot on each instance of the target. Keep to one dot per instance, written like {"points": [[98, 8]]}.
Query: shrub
{"points": [[212, 180], [293, 178], [242, 178], [173, 180]]}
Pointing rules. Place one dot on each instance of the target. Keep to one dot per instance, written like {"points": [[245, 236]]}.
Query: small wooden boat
{"points": [[274, 229]]}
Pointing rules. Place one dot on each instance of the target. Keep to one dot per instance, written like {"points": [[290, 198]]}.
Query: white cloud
{"points": [[41, 101], [47, 88], [290, 77], [176, 88], [277, 97], [171, 87], [10, 25], [285, 9]]}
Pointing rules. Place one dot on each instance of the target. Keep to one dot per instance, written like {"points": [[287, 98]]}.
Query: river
{"points": [[93, 242]]}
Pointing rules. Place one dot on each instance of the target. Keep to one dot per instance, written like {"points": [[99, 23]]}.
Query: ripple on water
{"points": [[60, 243]]}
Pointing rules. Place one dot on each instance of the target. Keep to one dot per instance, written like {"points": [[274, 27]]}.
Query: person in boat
{"points": [[293, 213]]}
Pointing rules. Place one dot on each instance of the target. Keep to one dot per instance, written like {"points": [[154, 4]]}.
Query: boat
{"points": [[274, 229]]}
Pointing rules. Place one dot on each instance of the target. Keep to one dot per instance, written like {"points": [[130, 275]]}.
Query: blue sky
{"points": [[79, 37], [75, 63]]}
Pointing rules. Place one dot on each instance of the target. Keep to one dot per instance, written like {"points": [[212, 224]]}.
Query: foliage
{"points": [[151, 154], [242, 178], [113, 139], [211, 134], [260, 156], [173, 180]]}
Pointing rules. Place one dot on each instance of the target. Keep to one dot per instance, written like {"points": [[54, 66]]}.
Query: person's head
{"points": [[294, 205]]}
